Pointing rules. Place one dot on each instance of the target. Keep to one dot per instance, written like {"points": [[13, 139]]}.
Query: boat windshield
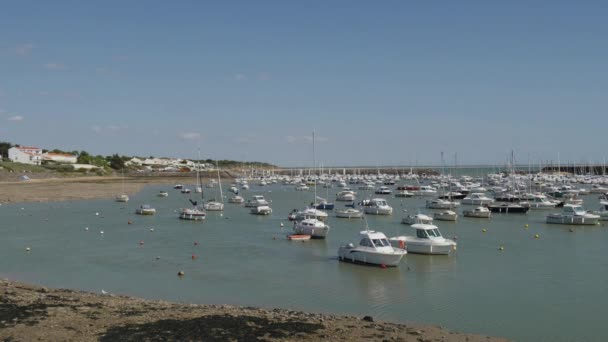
{"points": [[434, 232], [380, 242], [421, 233]]}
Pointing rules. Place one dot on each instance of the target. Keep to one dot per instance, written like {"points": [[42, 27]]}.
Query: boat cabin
{"points": [[426, 231]]}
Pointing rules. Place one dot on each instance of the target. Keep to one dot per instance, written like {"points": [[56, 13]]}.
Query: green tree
{"points": [[4, 146], [116, 162]]}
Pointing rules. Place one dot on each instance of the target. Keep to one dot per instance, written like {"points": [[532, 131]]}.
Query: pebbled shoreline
{"points": [[34, 313]]}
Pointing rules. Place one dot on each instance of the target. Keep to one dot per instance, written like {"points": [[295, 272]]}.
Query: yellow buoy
{"points": [[526, 225], [27, 249], [484, 230], [501, 248], [536, 236]]}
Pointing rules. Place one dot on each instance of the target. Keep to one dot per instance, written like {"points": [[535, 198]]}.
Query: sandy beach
{"points": [[32, 313], [29, 313]]}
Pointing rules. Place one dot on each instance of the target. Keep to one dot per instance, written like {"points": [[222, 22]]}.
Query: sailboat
{"points": [[122, 197], [214, 205], [310, 225], [199, 188]]}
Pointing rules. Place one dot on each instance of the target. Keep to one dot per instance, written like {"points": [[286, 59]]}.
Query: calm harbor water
{"points": [[547, 289]]}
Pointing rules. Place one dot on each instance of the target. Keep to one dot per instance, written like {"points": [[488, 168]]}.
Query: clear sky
{"points": [[381, 82]]}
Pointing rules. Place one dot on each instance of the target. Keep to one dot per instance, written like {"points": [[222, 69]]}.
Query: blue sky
{"points": [[382, 83]]}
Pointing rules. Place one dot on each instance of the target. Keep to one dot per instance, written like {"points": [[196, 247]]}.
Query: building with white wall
{"points": [[25, 155], [60, 158]]}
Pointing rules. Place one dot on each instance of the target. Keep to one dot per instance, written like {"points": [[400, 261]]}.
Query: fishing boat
{"points": [[377, 206], [145, 209], [428, 240], [573, 214], [418, 218], [315, 228], [479, 212], [373, 248], [192, 214], [447, 215]]}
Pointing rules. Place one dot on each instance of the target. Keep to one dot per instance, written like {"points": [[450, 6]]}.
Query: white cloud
{"points": [[109, 128], [55, 66], [291, 139], [240, 77], [24, 49], [96, 129], [16, 118], [189, 135]]}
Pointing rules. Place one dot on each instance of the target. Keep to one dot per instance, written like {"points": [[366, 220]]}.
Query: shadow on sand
{"points": [[210, 328]]}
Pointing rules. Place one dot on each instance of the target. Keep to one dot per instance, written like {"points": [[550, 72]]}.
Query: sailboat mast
{"points": [[314, 164]]}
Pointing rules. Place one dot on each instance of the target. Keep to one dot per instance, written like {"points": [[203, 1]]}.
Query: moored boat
{"points": [[373, 248], [145, 209], [479, 212], [428, 240], [447, 215], [573, 214]]}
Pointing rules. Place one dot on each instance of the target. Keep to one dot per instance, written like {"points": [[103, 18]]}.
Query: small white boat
{"points": [[428, 240], [163, 194], [256, 201], [539, 201], [349, 213], [236, 199], [476, 199], [122, 198], [346, 196], [447, 215], [377, 206], [366, 186], [302, 187], [245, 186], [178, 186], [186, 191], [298, 237], [441, 204], [573, 214], [192, 214], [145, 209], [311, 213], [418, 218], [313, 227], [402, 192], [479, 212], [261, 210], [373, 248], [425, 190]]}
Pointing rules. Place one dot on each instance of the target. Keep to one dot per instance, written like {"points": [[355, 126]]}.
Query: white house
{"points": [[60, 157], [25, 155]]}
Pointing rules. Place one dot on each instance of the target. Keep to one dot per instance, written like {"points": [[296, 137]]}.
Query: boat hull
{"points": [[572, 220], [378, 211], [358, 256], [314, 232], [508, 210], [349, 215]]}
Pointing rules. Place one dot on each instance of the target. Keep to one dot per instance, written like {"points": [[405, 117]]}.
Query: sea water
{"points": [[551, 288]]}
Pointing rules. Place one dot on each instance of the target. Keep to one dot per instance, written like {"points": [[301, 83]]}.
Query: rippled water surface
{"points": [[553, 288]]}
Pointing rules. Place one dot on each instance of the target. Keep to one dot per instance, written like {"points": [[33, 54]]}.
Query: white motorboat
{"points": [[261, 210], [603, 212], [192, 214], [185, 191], [349, 213], [313, 227], [383, 190], [122, 198], [310, 213], [256, 201], [479, 212], [441, 204], [346, 196], [428, 240], [236, 199], [178, 186], [447, 215], [145, 209], [245, 186], [425, 190], [418, 218], [373, 248], [366, 186], [163, 194], [573, 214], [377, 206], [539, 201], [476, 199]]}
